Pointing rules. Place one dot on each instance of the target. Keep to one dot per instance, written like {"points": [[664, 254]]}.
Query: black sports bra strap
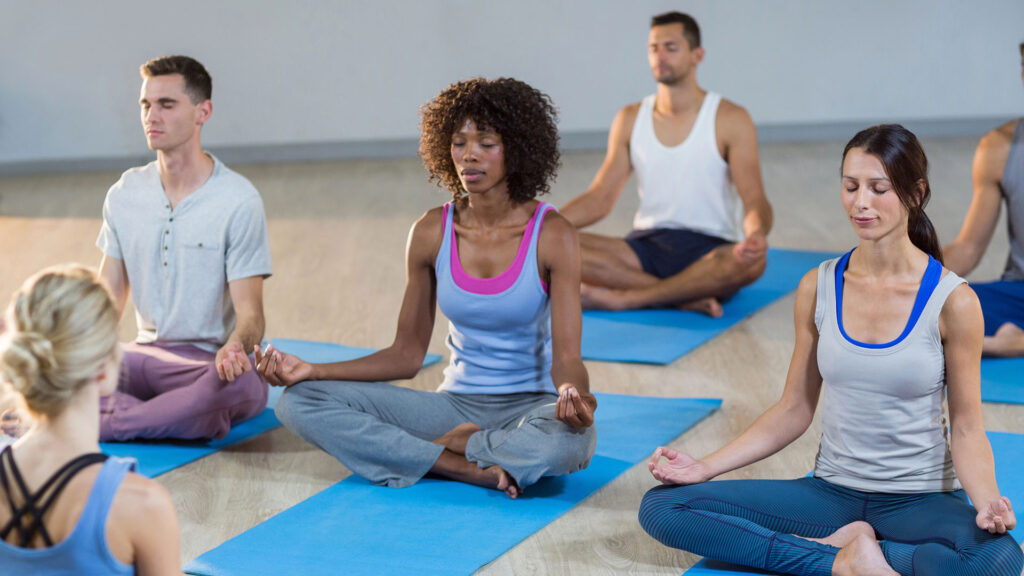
{"points": [[36, 505]]}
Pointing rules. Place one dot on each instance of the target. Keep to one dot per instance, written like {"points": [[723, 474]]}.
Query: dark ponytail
{"points": [[907, 168]]}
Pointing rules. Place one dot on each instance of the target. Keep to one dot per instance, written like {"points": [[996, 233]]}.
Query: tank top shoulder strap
{"points": [[706, 125], [826, 291], [542, 209], [532, 265], [643, 125], [943, 288], [101, 497], [27, 518], [443, 253], [709, 110]]}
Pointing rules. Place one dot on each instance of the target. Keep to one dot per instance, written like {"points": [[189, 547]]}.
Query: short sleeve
{"points": [[248, 249], [108, 241]]}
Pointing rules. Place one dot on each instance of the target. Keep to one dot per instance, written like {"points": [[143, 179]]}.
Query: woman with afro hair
{"points": [[515, 404]]}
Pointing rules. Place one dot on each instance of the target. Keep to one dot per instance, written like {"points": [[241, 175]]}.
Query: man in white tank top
{"points": [[998, 175], [696, 239]]}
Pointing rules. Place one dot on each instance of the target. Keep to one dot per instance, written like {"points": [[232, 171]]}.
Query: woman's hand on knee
{"points": [[575, 409], [997, 517], [678, 468]]}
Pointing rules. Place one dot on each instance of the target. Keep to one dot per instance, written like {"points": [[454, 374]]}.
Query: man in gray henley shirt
{"points": [[188, 237]]}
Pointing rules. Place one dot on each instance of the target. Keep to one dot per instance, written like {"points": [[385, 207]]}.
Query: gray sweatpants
{"points": [[384, 433]]}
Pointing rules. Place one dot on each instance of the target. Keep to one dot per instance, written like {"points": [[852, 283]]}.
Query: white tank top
{"points": [[685, 186], [883, 423]]}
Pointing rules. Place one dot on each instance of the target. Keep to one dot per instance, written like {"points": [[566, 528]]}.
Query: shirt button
{"points": [[165, 247], [167, 231], [165, 263], [171, 219]]}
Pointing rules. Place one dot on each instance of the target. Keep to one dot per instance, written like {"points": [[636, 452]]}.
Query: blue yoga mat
{"points": [[437, 526], [157, 457], [1002, 380], [1007, 449], [661, 336]]}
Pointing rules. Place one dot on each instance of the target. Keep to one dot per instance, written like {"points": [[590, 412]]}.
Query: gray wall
{"points": [[317, 72]]}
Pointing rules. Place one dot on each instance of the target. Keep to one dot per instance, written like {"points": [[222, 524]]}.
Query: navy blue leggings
{"points": [[757, 523]]}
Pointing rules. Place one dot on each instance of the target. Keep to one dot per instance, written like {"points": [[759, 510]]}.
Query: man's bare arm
{"points": [[600, 197], [247, 299], [964, 253], [739, 138], [115, 276]]}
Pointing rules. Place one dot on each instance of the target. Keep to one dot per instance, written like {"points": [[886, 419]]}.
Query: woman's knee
{"points": [[1000, 557], [571, 452], [993, 556], [659, 510], [294, 405]]}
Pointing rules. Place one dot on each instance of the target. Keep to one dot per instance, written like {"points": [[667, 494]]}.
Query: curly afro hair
{"points": [[524, 117]]}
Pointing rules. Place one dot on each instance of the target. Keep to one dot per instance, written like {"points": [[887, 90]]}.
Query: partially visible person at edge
{"points": [[67, 509]]}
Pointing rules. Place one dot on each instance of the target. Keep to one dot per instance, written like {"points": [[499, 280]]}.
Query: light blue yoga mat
{"points": [[158, 457], [1007, 449], [661, 336], [437, 526], [1002, 380]]}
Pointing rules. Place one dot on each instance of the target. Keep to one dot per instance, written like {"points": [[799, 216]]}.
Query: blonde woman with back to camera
{"points": [[66, 508]]}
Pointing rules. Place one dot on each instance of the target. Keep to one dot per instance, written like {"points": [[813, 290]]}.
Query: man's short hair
{"points": [[198, 84], [690, 29]]}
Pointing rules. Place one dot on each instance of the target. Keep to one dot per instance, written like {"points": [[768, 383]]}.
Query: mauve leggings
{"points": [[175, 392]]}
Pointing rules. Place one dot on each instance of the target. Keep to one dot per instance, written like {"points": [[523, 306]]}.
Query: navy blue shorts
{"points": [[665, 252], [1001, 302]]}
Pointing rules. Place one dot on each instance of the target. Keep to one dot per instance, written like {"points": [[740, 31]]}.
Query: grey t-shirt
{"points": [[180, 261]]}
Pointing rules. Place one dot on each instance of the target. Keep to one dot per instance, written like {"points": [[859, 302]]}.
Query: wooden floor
{"points": [[338, 231]]}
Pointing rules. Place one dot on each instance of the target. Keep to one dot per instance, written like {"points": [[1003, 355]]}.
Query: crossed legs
{"points": [[1002, 304], [394, 436], [811, 527], [175, 392], [614, 279]]}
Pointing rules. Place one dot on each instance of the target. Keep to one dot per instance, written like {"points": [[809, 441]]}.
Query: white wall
{"points": [[348, 71]]}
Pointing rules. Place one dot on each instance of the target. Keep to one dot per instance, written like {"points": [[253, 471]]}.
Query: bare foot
{"points": [[862, 557], [505, 482], [599, 298], [709, 306], [455, 466], [1007, 341], [844, 536], [12, 424], [456, 438]]}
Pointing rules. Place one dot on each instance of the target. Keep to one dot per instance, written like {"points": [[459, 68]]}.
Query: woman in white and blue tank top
{"points": [[515, 404], [882, 334], [66, 509]]}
